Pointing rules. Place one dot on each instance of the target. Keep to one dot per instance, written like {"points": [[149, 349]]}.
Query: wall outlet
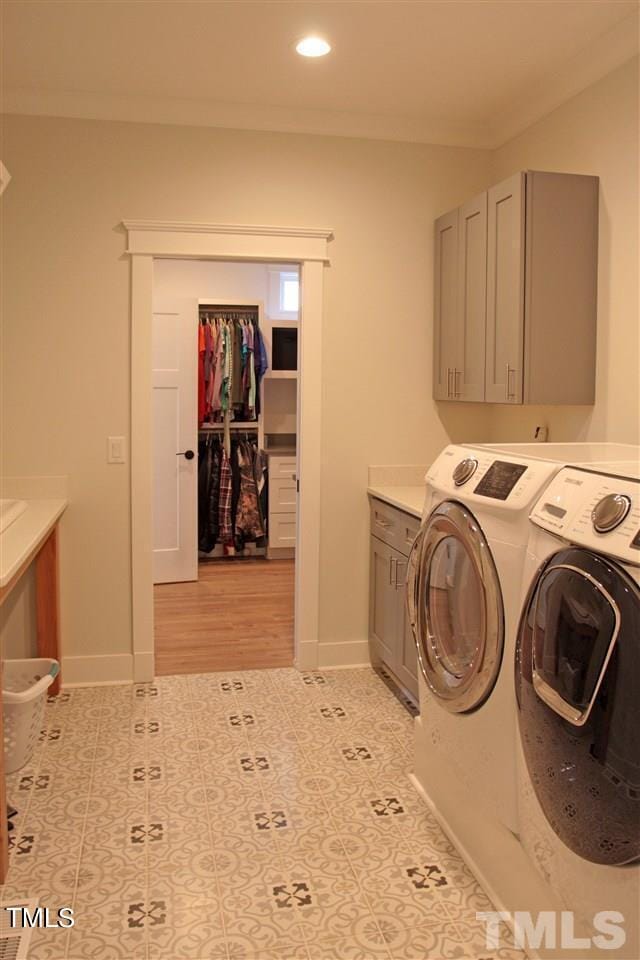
{"points": [[116, 450], [541, 433]]}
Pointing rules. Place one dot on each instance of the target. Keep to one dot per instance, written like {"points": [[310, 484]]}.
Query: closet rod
{"points": [[249, 426], [229, 312]]}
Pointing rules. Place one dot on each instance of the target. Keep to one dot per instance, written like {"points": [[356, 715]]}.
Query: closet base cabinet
{"points": [[391, 643], [283, 497], [519, 324]]}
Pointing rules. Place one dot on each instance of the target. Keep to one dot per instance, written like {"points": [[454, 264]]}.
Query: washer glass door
{"points": [[459, 622]]}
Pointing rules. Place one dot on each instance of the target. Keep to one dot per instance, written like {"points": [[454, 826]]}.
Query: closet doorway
{"points": [[225, 428]]}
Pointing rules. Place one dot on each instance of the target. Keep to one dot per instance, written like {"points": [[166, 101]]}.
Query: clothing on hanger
{"points": [[232, 360], [225, 519], [231, 494], [248, 523]]}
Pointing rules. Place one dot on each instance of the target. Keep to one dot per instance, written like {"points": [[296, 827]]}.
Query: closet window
{"points": [[284, 292], [289, 292]]}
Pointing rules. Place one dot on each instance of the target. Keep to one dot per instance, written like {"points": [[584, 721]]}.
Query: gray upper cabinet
{"points": [[561, 288], [505, 291], [521, 325], [472, 308], [445, 305]]}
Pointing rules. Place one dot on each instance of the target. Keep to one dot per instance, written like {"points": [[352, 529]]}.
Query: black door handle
{"points": [[187, 454]]}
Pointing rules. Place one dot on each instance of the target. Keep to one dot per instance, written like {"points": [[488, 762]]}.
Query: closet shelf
{"points": [[234, 425], [281, 375]]}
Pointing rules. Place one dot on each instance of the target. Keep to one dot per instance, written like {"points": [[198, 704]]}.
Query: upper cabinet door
{"points": [[469, 368], [445, 323], [505, 291]]}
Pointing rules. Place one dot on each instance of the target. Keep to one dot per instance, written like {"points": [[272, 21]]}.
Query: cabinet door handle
{"points": [[392, 560], [399, 563], [457, 377], [510, 395], [448, 383]]}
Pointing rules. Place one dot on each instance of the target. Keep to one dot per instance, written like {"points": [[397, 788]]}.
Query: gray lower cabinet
{"points": [[390, 637]]}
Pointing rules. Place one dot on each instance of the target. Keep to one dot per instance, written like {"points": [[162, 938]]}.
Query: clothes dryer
{"points": [[578, 695]]}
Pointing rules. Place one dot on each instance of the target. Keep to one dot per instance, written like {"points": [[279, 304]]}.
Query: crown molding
{"points": [[520, 111], [609, 52], [242, 116]]}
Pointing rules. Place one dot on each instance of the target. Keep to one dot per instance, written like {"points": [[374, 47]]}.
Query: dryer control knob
{"points": [[464, 471], [609, 512]]}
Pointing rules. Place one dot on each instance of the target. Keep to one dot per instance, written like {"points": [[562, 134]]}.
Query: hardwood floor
{"points": [[238, 616]]}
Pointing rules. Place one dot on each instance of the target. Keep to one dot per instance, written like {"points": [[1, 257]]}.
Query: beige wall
{"points": [[595, 133], [66, 316], [66, 301]]}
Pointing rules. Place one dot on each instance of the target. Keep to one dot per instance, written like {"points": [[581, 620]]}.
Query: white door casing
{"points": [[174, 364], [149, 239]]}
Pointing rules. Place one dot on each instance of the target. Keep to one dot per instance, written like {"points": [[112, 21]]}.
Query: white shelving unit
{"points": [[236, 426], [267, 332]]}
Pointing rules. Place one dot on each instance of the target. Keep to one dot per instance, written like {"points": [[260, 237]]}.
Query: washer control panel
{"points": [[609, 512], [488, 478], [594, 510], [464, 471], [500, 479]]}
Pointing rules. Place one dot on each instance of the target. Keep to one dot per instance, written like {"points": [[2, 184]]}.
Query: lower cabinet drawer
{"points": [[393, 526], [282, 468], [282, 530], [282, 496]]}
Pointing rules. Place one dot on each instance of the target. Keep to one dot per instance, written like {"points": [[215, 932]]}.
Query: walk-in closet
{"points": [[224, 359]]}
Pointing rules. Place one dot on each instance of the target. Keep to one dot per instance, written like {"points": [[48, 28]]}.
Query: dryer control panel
{"points": [[488, 478], [596, 510]]}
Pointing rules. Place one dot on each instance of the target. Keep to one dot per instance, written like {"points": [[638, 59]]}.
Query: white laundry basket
{"points": [[24, 692]]}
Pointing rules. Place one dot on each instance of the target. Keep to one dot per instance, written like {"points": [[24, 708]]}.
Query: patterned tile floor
{"points": [[247, 816]]}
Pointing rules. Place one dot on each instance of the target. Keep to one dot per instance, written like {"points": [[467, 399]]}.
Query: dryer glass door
{"points": [[459, 616], [578, 694]]}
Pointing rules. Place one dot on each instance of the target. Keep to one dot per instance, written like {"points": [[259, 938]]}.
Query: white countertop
{"points": [[26, 533], [410, 499]]}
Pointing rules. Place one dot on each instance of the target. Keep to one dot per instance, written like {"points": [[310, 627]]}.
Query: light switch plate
{"points": [[115, 450]]}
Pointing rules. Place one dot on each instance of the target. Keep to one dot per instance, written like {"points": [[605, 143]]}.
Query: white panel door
{"points": [[174, 352]]}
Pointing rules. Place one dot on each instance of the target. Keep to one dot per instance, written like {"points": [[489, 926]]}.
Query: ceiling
{"points": [[465, 72]]}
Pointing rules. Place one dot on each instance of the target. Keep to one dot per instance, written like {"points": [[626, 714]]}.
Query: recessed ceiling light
{"points": [[313, 47]]}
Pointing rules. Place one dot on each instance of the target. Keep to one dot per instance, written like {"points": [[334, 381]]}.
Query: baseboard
{"points": [[307, 656], [351, 653], [281, 553], [143, 667], [347, 666], [97, 671]]}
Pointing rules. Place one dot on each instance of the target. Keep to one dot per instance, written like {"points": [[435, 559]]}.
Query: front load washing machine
{"points": [[464, 599], [578, 696], [463, 593]]}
